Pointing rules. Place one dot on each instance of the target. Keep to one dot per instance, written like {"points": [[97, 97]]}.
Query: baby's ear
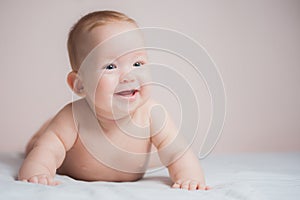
{"points": [[75, 84]]}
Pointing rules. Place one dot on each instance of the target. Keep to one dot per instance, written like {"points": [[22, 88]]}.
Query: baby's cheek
{"points": [[105, 90], [106, 85]]}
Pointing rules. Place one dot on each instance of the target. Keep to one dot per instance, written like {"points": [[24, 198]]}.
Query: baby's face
{"points": [[113, 73]]}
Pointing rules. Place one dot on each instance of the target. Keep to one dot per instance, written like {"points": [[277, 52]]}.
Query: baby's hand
{"points": [[42, 179], [190, 185]]}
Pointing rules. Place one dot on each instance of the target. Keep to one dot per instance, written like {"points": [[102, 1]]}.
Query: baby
{"points": [[115, 96]]}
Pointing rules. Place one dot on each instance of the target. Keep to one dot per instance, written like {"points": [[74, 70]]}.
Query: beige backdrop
{"points": [[255, 44]]}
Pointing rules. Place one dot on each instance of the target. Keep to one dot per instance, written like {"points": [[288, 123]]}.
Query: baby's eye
{"points": [[138, 64], [110, 66]]}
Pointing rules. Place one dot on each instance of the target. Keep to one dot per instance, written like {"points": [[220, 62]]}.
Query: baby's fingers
{"points": [[185, 185], [33, 179], [43, 179], [207, 188], [176, 185], [182, 184], [194, 185], [190, 185], [53, 182]]}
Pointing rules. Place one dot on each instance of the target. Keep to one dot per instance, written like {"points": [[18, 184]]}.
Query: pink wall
{"points": [[255, 44]]}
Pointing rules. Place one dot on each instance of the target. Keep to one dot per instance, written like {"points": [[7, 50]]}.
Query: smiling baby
{"points": [[107, 135]]}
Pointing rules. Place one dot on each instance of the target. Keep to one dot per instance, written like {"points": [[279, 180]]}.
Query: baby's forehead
{"points": [[110, 39], [113, 33], [114, 40]]}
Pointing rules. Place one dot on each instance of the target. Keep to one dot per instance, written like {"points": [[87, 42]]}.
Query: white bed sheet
{"points": [[241, 176]]}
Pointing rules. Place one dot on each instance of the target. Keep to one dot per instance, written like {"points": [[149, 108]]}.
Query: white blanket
{"points": [[243, 176]]}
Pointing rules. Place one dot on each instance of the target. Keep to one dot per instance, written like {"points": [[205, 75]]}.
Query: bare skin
{"points": [[57, 147]]}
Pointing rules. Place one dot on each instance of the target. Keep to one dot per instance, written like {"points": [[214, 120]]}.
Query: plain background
{"points": [[255, 44]]}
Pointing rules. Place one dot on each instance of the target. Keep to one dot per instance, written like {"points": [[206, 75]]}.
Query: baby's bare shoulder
{"points": [[63, 125], [155, 109], [156, 113], [64, 116], [146, 108]]}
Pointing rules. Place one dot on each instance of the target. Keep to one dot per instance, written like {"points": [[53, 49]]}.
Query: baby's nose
{"points": [[127, 77]]}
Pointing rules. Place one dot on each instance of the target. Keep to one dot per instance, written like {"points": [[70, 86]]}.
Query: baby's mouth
{"points": [[127, 93]]}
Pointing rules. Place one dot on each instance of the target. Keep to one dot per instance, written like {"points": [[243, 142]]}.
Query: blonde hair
{"points": [[87, 23]]}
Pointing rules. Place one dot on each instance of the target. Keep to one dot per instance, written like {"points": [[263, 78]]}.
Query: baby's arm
{"points": [[49, 150], [184, 167]]}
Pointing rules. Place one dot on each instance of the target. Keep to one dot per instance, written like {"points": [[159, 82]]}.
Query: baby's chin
{"points": [[120, 108], [125, 109]]}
